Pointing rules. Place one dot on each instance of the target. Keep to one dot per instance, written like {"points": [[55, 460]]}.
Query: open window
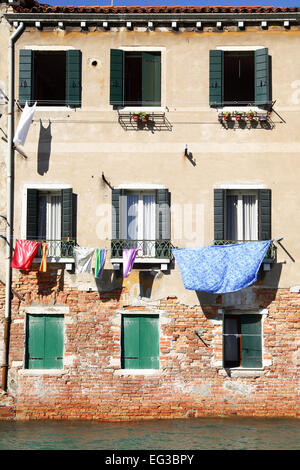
{"points": [[240, 78], [52, 78], [242, 340], [135, 78]]}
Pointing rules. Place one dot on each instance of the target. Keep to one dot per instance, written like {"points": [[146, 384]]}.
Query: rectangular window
{"points": [[141, 219], [139, 342], [51, 218], [240, 78], [241, 215], [135, 78], [52, 78], [44, 341], [242, 340]]}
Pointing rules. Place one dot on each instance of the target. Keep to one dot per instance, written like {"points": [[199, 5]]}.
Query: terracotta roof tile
{"points": [[32, 6]]}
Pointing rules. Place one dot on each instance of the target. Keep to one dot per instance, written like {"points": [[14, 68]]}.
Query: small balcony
{"points": [[270, 255], [149, 251], [57, 249]]}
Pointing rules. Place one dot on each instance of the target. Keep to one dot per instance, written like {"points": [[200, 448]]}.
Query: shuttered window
{"points": [[253, 217], [52, 78], [239, 78], [135, 78], [43, 224], [242, 341], [140, 342], [45, 341]]}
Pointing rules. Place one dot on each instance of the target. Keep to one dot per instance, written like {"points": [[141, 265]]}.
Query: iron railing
{"points": [[160, 249], [270, 255], [56, 248]]}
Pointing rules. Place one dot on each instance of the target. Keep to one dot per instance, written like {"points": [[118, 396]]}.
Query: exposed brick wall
{"points": [[191, 381]]}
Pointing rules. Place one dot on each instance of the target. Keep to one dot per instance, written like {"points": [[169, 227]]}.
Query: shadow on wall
{"points": [[44, 149], [259, 295]]}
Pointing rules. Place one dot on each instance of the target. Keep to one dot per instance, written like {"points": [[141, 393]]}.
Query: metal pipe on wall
{"points": [[9, 201]]}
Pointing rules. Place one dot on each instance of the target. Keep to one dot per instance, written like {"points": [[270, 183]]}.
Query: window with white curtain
{"points": [[49, 219], [241, 215], [140, 223]]}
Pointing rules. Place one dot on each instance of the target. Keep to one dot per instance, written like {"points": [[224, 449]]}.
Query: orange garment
{"points": [[43, 266]]}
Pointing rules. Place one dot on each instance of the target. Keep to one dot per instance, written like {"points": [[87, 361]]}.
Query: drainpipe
{"points": [[9, 188]]}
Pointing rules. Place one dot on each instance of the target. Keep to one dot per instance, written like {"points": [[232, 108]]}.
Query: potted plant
{"points": [[143, 116], [250, 114], [238, 115], [227, 115], [135, 117]]}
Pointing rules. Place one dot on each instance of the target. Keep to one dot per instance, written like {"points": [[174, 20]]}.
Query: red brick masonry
{"points": [[191, 380]]}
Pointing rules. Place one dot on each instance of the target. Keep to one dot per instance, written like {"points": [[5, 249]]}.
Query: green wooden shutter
{"points": [[116, 77], [219, 214], [151, 78], [32, 214], [54, 341], [149, 342], [140, 342], [66, 213], [163, 223], [35, 342], [26, 63], [115, 216], [73, 78], [262, 77], [251, 341], [264, 214], [130, 342], [216, 78], [45, 341]]}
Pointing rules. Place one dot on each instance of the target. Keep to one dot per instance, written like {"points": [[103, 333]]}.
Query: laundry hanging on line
{"points": [[25, 251], [24, 124], [128, 260], [83, 259], [43, 265], [220, 268], [100, 261]]}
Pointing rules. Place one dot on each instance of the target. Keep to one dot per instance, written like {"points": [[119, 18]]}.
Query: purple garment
{"points": [[128, 260]]}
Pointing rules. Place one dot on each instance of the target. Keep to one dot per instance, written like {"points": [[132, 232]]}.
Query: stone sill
{"points": [[148, 372], [38, 372], [242, 372]]}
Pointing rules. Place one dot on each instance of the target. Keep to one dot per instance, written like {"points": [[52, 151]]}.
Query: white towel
{"points": [[24, 124], [83, 259]]}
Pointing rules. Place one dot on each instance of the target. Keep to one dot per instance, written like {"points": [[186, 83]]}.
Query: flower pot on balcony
{"points": [[238, 116], [135, 117], [227, 116], [143, 117], [250, 116]]}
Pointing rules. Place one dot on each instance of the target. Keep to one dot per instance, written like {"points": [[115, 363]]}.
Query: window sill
{"points": [[53, 259], [144, 260], [148, 372], [241, 108], [38, 372], [240, 372]]}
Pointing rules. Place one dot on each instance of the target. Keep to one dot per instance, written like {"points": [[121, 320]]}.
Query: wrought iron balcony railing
{"points": [[270, 255], [160, 249], [56, 248]]}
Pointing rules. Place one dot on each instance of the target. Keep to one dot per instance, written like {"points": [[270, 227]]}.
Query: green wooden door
{"points": [[140, 342], [151, 78], [251, 341], [45, 341]]}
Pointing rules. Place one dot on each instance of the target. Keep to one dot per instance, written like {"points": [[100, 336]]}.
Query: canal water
{"points": [[179, 434]]}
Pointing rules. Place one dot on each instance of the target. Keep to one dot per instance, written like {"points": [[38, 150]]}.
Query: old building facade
{"points": [[91, 175]]}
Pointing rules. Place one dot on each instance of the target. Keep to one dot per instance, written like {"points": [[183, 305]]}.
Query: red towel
{"points": [[24, 254]]}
